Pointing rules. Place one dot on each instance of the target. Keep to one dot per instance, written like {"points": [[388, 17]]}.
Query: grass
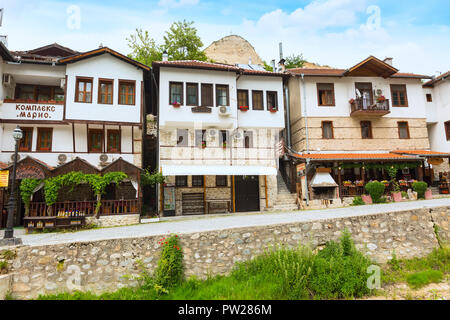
{"points": [[423, 278]]}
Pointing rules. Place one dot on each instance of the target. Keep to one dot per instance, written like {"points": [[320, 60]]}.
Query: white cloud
{"points": [[177, 4]]}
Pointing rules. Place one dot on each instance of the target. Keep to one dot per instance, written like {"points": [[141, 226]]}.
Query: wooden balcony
{"points": [[366, 107]]}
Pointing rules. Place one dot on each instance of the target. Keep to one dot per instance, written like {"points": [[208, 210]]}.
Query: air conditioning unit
{"points": [[7, 79], [224, 111], [237, 135], [62, 158], [211, 134], [62, 83], [103, 158]]}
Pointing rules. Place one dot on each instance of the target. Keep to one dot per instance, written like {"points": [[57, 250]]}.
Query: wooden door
{"points": [[247, 193]]}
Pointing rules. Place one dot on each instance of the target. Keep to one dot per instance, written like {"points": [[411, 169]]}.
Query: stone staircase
{"points": [[286, 201]]}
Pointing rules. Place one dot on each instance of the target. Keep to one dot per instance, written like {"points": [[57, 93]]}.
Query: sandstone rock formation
{"points": [[232, 50]]}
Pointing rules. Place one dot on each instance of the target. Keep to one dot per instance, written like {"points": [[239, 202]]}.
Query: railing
{"points": [[367, 104], [357, 191], [86, 208], [32, 101]]}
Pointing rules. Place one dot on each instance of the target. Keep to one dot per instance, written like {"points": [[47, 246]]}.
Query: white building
{"points": [[219, 132]]}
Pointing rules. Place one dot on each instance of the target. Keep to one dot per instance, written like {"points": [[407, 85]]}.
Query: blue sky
{"points": [[338, 33]]}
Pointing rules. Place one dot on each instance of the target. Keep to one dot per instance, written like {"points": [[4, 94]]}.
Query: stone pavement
{"points": [[210, 223]]}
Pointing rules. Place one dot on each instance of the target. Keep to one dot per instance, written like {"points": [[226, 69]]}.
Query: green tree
{"points": [[268, 67], [183, 43], [144, 48], [294, 61]]}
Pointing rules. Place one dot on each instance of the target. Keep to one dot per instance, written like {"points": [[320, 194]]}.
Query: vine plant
{"points": [[27, 188]]}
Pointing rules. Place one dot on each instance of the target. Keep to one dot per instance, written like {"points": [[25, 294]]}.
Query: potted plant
{"points": [[273, 109], [348, 183], [381, 99], [403, 183], [176, 104], [359, 183], [386, 183], [243, 108], [397, 193], [203, 144], [351, 101], [224, 145]]}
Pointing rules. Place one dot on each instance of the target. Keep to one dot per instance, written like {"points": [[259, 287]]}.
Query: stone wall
{"points": [[111, 264], [114, 220]]}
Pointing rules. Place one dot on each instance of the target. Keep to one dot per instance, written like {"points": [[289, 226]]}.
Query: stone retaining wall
{"points": [[114, 221], [111, 264]]}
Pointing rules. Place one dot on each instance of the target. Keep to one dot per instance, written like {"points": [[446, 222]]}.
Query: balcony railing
{"points": [[32, 101], [366, 106]]}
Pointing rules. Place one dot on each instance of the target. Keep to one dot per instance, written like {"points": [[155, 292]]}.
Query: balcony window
{"points": [[242, 98], [192, 94], [105, 91], [403, 130], [257, 99], [83, 90], [95, 141], [366, 130], [36, 92], [25, 142], [44, 139], [327, 130], [25, 91], [325, 94], [222, 96], [176, 93], [44, 94], [399, 95], [127, 92], [272, 100], [113, 139], [364, 94]]}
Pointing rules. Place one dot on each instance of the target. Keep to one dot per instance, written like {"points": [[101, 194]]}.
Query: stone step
{"points": [[285, 208]]}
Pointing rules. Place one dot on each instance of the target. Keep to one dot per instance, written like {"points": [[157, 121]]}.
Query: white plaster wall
{"points": [[109, 67], [345, 90], [441, 98], [261, 118]]}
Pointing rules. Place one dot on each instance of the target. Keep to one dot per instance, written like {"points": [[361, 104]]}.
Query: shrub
{"points": [[358, 201], [420, 279], [404, 194], [420, 187], [376, 190], [170, 269], [3, 266]]}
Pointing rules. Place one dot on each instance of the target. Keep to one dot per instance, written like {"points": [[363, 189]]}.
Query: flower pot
{"points": [[176, 105], [397, 196], [367, 199], [428, 194], [273, 110]]}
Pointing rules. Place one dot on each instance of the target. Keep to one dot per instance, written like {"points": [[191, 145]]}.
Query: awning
{"points": [[354, 156], [423, 153], [171, 170]]}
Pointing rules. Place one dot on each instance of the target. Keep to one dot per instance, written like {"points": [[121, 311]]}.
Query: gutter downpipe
{"points": [[157, 141], [307, 138]]}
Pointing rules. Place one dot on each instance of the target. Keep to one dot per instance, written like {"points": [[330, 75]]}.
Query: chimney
{"points": [[165, 56], [281, 51], [388, 61], [273, 66]]}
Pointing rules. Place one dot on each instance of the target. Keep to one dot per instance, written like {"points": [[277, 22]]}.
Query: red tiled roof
{"points": [[422, 153], [341, 72], [195, 64], [354, 156], [432, 82]]}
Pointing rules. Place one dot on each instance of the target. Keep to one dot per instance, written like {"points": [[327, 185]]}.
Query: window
{"points": [[399, 96], [366, 130], [222, 95], [25, 142], [200, 138], [182, 138], [327, 130], [325, 94], [242, 96], [248, 139], [224, 138], [272, 100], [192, 94], [176, 93], [44, 93], [83, 90], [105, 91], [257, 99], [207, 95], [197, 181], [221, 181], [35, 92], [25, 91], [403, 130], [447, 130], [95, 140], [113, 141], [127, 92], [44, 140], [429, 97], [181, 181]]}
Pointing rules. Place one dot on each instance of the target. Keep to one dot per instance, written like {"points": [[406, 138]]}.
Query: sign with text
{"points": [[32, 111], [4, 178]]}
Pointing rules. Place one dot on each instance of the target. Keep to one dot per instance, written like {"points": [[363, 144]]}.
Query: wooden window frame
{"points": [[406, 96], [276, 99], [187, 136], [447, 130], [99, 97], [429, 97], [198, 185], [332, 130], [407, 129], [227, 87], [89, 140], [196, 94], [182, 92], [30, 146], [77, 87], [39, 137], [247, 102], [109, 149], [181, 185], [124, 81], [262, 99], [370, 130], [207, 85], [218, 184], [333, 95]]}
